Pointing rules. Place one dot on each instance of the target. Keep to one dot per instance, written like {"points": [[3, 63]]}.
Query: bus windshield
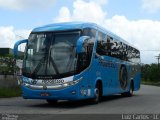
{"points": [[51, 54]]}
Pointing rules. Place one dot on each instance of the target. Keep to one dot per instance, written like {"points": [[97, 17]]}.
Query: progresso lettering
{"points": [[54, 81], [106, 63]]}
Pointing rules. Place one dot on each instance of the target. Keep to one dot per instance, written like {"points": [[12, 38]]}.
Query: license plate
{"points": [[45, 94]]}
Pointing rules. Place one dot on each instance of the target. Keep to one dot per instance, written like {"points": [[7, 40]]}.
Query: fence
{"points": [[8, 81]]}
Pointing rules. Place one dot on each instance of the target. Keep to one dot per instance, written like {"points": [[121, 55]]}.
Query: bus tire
{"points": [[98, 93], [52, 102], [131, 89], [130, 92]]}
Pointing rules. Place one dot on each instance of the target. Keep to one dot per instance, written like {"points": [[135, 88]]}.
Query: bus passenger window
{"points": [[115, 49], [92, 34], [101, 44], [109, 45]]}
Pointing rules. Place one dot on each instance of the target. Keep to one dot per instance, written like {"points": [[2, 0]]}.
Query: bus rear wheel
{"points": [[130, 92], [52, 102]]}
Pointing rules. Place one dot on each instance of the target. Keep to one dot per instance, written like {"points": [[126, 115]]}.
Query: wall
{"points": [[8, 81]]}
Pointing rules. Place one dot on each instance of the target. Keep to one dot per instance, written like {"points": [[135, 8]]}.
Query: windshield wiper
{"points": [[54, 65], [37, 68], [52, 61]]}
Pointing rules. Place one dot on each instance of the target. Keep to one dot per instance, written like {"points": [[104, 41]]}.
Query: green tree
{"points": [[150, 72]]}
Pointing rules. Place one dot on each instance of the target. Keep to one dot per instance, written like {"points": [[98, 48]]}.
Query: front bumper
{"points": [[75, 92], [69, 93]]}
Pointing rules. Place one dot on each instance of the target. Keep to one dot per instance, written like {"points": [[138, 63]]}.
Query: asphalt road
{"points": [[146, 100]]}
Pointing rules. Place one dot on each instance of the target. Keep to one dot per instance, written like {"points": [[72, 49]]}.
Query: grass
{"points": [[10, 92], [151, 83]]}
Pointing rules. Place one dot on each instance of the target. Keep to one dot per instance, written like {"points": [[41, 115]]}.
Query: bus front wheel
{"points": [[98, 93]]}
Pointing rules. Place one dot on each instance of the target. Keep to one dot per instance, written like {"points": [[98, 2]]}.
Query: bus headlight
{"points": [[25, 80], [72, 82]]}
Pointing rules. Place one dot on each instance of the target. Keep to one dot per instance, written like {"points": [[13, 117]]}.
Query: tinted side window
{"points": [[101, 44], [117, 49], [85, 57], [92, 33], [89, 32], [123, 52], [133, 55], [109, 46], [106, 45], [130, 55]]}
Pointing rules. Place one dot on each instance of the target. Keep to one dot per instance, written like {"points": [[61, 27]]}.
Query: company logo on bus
{"points": [[45, 77]]}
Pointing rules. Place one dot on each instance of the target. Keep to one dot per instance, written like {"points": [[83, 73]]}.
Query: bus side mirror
{"points": [[80, 43], [15, 49]]}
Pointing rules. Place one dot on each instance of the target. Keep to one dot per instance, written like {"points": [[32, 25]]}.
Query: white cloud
{"points": [[25, 4], [101, 2], [64, 15], [151, 5], [8, 36], [144, 34], [82, 11]]}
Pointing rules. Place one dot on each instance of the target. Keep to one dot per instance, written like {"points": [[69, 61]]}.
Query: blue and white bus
{"points": [[75, 61]]}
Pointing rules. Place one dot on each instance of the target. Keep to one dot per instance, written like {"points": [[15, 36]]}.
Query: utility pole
{"points": [[158, 58]]}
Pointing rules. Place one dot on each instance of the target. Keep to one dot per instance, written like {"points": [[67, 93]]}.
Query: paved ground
{"points": [[146, 100]]}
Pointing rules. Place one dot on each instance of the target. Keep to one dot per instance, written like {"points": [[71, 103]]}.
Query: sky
{"points": [[136, 21]]}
